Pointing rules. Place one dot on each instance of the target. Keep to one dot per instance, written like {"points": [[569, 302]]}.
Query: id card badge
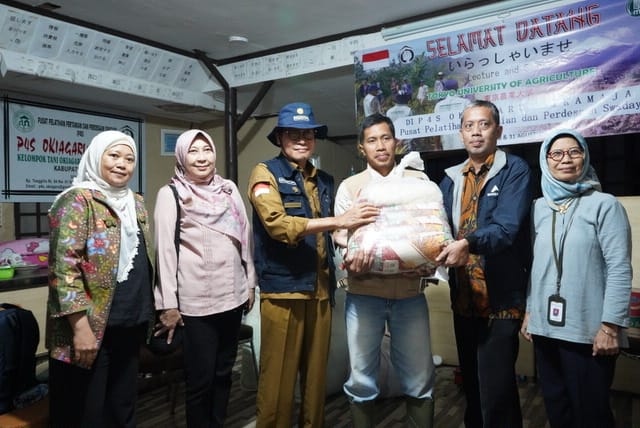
{"points": [[556, 310]]}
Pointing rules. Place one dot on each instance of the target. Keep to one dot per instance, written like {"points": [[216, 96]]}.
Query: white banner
{"points": [[43, 146], [575, 65]]}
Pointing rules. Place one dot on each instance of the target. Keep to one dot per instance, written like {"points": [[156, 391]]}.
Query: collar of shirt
{"points": [[377, 176], [309, 171], [486, 166]]}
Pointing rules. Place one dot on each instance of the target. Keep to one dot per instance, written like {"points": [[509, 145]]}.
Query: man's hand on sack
{"points": [[357, 261], [359, 214], [454, 254]]}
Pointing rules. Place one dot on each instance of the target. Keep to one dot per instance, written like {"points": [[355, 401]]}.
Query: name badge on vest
{"points": [[556, 310], [283, 180]]}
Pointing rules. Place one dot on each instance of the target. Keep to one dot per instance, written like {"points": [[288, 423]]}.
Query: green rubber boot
{"points": [[362, 414], [420, 412]]}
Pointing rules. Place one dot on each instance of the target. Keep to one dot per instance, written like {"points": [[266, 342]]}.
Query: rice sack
{"points": [[412, 227]]}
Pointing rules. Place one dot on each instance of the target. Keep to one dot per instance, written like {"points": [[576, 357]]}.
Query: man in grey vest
{"points": [[377, 302]]}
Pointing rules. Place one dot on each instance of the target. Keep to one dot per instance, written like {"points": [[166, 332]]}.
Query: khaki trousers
{"points": [[294, 339]]}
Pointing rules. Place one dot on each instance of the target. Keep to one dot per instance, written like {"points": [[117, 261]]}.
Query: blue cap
{"points": [[297, 115], [450, 84]]}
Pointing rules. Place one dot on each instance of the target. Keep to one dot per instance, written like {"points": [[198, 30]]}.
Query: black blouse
{"points": [[132, 301]]}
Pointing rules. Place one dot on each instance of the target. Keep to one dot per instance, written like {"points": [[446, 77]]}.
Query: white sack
{"points": [[412, 227]]}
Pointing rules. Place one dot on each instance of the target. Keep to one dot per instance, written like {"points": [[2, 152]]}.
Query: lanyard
{"points": [[557, 256]]}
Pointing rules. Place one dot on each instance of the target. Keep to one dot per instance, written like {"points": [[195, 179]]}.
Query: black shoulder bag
{"points": [[158, 344]]}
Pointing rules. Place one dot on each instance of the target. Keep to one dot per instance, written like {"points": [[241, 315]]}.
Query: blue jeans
{"points": [[408, 323]]}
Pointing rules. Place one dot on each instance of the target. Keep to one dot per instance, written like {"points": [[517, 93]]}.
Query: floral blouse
{"points": [[83, 263]]}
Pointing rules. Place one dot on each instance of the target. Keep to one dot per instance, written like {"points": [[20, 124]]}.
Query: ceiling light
{"points": [[238, 39]]}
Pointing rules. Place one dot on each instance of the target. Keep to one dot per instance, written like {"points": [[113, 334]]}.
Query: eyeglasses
{"points": [[300, 134], [483, 125], [558, 155]]}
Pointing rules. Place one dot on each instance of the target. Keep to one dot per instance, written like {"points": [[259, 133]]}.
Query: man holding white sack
{"points": [[377, 301], [292, 219], [488, 199]]}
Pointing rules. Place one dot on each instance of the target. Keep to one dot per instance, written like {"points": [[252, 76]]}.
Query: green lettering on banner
{"points": [[23, 157]]}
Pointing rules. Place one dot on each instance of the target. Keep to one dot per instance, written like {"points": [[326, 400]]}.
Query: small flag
{"points": [[375, 60], [260, 189]]}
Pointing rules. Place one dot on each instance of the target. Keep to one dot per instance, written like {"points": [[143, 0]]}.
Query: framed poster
{"points": [[168, 139], [43, 145]]}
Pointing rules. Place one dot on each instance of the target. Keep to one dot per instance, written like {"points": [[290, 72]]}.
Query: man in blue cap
{"points": [[292, 217]]}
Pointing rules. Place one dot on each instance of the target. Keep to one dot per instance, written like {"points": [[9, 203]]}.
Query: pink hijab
{"points": [[213, 202]]}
